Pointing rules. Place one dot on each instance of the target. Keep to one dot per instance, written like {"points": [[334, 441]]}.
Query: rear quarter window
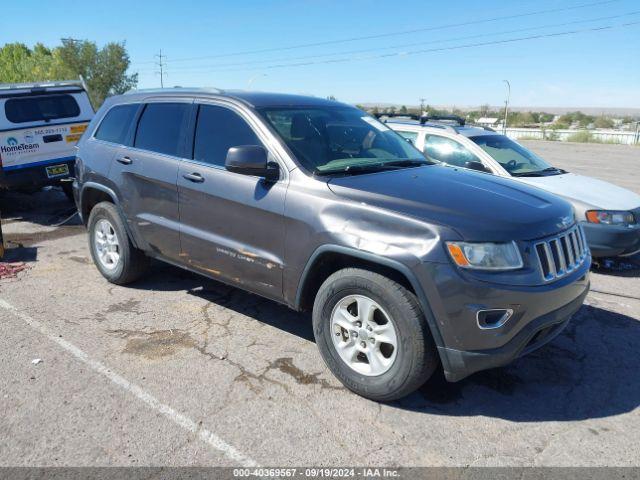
{"points": [[41, 108], [116, 124]]}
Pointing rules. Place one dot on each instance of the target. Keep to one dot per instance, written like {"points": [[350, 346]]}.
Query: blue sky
{"points": [[600, 69]]}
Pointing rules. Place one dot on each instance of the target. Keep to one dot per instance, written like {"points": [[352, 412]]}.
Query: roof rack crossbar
{"points": [[411, 116], [443, 118], [432, 120]]}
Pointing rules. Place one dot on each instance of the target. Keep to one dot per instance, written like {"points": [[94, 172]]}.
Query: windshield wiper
{"points": [[554, 169], [408, 163], [537, 173], [353, 169], [374, 167]]}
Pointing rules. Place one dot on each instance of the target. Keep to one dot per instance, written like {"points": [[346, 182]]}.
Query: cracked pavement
{"points": [[248, 370]]}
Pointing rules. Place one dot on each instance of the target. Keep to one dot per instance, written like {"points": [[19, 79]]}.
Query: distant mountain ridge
{"points": [[609, 111]]}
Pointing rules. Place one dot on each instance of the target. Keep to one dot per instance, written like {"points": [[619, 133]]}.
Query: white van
{"points": [[40, 124]]}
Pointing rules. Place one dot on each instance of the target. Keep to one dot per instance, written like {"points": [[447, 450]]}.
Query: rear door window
{"points": [[41, 108], [160, 127], [116, 123], [218, 129], [448, 151]]}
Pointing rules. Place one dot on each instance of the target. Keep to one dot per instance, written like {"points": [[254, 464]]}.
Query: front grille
{"points": [[562, 254]]}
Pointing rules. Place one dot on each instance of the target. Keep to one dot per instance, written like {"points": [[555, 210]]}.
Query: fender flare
{"points": [[116, 202], [387, 262]]}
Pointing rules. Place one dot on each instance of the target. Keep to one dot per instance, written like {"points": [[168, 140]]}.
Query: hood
{"points": [[478, 206], [587, 190]]}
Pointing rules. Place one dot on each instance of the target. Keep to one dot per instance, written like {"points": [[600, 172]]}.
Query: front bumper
{"points": [[35, 176], [534, 335], [538, 314], [611, 240]]}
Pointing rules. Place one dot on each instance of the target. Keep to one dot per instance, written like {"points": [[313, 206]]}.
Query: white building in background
{"points": [[487, 121]]}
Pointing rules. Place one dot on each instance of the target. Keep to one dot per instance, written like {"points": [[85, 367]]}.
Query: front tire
{"points": [[111, 249], [372, 334]]}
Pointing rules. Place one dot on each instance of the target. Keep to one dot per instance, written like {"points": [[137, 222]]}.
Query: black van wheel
{"points": [[372, 334], [111, 249]]}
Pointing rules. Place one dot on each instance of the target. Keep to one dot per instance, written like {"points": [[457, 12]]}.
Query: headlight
{"points": [[608, 217], [485, 256]]}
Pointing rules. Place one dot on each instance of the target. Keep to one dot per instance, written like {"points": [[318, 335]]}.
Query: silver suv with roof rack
{"points": [[610, 215]]}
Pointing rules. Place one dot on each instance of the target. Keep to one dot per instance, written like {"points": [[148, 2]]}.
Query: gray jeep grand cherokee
{"points": [[315, 204]]}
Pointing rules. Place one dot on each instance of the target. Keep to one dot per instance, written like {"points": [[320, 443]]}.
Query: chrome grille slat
{"points": [[561, 254], [574, 238], [568, 241]]}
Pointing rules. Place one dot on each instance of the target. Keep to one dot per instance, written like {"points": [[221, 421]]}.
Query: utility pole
{"points": [[161, 64], [422, 100], [506, 107]]}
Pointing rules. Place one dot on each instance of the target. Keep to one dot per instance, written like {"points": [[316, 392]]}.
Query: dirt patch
{"points": [[154, 345], [30, 239], [80, 259]]}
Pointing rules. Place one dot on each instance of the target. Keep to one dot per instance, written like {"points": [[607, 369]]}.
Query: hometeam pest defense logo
{"points": [[13, 146]]}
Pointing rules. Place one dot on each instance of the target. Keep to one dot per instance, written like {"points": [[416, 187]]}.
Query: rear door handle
{"points": [[193, 177], [125, 160]]}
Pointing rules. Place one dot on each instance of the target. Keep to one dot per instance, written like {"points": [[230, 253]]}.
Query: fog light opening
{"points": [[493, 318]]}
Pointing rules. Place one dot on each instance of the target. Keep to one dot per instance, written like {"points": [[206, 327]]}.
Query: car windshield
{"points": [[329, 140], [514, 158]]}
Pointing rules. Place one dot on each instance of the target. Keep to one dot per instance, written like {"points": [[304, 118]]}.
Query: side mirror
{"points": [[251, 160], [478, 166]]}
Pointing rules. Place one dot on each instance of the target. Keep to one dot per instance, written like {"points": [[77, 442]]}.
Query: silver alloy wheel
{"points": [[364, 335], [106, 244]]}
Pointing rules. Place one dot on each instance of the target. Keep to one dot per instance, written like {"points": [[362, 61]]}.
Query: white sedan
{"points": [[610, 215]]}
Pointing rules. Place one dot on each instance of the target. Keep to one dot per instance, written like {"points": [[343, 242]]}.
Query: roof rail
{"points": [[170, 89], [33, 85]]}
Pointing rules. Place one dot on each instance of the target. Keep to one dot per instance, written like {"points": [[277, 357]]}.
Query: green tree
{"points": [[403, 109], [603, 122], [104, 69]]}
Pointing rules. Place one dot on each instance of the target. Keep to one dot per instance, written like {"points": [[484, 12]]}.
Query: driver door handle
{"points": [[193, 177], [125, 160]]}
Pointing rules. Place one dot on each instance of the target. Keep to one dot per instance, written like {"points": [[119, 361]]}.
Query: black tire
{"points": [[67, 188], [132, 262], [416, 358]]}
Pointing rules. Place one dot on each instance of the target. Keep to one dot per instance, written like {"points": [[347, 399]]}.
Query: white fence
{"points": [[605, 136]]}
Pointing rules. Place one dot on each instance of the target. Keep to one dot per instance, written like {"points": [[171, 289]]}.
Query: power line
{"points": [[445, 40], [397, 33], [431, 50]]}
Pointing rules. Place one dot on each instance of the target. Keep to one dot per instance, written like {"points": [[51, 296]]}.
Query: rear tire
{"points": [[111, 249], [364, 358]]}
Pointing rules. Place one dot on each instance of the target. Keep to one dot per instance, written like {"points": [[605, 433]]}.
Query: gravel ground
{"points": [[181, 370]]}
